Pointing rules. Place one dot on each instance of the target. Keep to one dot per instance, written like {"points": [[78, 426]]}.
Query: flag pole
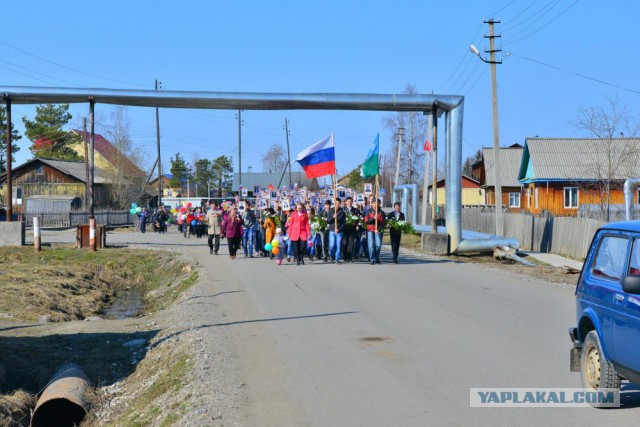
{"points": [[377, 190], [335, 191]]}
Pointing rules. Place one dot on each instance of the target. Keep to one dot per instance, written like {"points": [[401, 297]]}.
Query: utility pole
{"points": [[434, 181], [410, 148], [425, 178], [239, 148], [399, 134], [496, 134], [160, 189], [286, 130], [86, 162], [9, 178]]}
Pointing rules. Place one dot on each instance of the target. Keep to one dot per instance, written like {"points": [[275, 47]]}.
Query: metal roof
{"points": [[510, 158], [74, 169], [251, 179], [582, 159], [231, 100]]}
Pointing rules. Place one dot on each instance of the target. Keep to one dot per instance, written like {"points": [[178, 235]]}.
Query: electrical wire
{"points": [[545, 25], [542, 12], [69, 68], [576, 74], [502, 8]]}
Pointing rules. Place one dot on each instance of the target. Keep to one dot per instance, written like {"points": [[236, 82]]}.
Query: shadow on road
{"points": [[242, 322]]}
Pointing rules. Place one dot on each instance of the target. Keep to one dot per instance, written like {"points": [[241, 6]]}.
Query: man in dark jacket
{"points": [[395, 234], [326, 214], [374, 220], [336, 224], [348, 239]]}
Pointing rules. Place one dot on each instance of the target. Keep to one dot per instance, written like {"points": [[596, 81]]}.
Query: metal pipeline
{"points": [[486, 245], [404, 200], [62, 402], [629, 186]]}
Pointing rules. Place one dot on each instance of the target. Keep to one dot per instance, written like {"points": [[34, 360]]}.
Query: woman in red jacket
{"points": [[299, 231], [231, 228]]}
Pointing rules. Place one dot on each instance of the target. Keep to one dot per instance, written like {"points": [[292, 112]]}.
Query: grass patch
{"points": [[71, 284], [168, 382], [408, 241]]}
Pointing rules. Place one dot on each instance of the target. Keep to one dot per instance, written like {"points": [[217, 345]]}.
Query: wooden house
{"points": [[54, 179], [472, 193], [484, 171], [168, 190], [561, 174]]}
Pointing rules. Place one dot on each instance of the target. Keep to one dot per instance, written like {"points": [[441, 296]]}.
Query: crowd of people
{"points": [[341, 231]]}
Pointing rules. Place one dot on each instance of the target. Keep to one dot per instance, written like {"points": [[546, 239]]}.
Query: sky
{"points": [[563, 54]]}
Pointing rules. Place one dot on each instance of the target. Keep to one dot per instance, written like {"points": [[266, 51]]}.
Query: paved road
{"points": [[362, 345]]}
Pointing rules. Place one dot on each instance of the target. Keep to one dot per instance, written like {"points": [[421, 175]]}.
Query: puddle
{"points": [[128, 303]]}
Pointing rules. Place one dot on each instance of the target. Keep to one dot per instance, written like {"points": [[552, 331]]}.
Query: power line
{"points": [[540, 28], [542, 12], [69, 68], [461, 60], [575, 74]]}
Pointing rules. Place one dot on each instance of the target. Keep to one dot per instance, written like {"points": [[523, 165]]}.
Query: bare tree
{"points": [[610, 158], [126, 172], [275, 159], [412, 156]]}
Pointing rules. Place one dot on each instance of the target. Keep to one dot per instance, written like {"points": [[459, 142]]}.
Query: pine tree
{"points": [[179, 171], [3, 138], [49, 140]]}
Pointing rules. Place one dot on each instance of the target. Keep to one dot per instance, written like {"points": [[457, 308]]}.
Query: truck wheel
{"points": [[595, 371]]}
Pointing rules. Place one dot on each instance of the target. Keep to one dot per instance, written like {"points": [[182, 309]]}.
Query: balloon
{"points": [[189, 204], [183, 209], [275, 250], [138, 209], [275, 243], [168, 220], [310, 243], [194, 222], [132, 211], [268, 247]]}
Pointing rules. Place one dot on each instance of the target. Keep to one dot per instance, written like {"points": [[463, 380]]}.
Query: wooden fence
{"points": [[559, 235], [73, 218]]}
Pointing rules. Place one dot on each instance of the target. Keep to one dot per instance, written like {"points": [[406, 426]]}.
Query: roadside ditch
{"points": [[52, 310]]}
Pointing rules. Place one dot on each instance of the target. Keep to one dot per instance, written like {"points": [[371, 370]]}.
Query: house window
{"points": [[39, 169], [570, 197], [514, 200], [536, 197]]}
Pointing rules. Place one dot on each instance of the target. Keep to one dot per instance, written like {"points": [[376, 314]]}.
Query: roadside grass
{"points": [[71, 284], [168, 378]]}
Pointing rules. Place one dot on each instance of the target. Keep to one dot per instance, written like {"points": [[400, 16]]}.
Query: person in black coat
{"points": [[395, 234]]}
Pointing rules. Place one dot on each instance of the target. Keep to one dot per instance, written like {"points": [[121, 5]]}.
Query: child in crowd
{"points": [[281, 245]]}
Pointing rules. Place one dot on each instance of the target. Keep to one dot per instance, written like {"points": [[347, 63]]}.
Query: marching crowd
{"points": [[339, 232]]}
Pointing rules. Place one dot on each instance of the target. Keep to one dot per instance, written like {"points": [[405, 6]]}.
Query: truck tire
{"points": [[596, 372]]}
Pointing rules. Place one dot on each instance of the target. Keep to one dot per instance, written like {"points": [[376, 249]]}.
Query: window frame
{"points": [[564, 197], [517, 195]]}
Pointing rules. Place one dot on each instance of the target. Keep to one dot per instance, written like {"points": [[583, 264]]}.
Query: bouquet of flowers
{"points": [[318, 224], [353, 220], [402, 226]]}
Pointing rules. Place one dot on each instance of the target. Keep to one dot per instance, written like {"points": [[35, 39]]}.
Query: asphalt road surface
{"points": [[396, 345]]}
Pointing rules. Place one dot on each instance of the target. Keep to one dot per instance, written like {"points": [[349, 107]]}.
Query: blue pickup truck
{"points": [[606, 341]]}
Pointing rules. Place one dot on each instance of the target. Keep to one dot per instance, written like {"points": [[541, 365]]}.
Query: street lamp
{"points": [[496, 135], [399, 135]]}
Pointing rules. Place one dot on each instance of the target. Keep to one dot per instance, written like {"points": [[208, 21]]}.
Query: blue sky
{"points": [[330, 46]]}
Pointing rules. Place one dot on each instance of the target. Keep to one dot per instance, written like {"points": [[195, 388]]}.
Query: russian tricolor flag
{"points": [[319, 159]]}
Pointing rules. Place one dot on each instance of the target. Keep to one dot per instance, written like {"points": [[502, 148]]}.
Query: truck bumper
{"points": [[574, 353]]}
